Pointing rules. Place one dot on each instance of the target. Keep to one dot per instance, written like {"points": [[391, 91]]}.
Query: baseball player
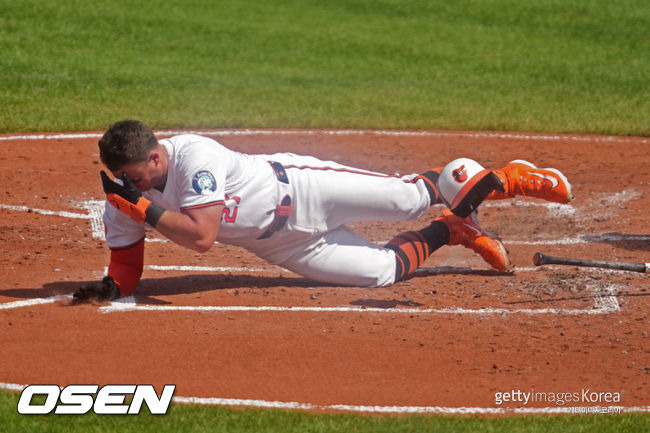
{"points": [[292, 210]]}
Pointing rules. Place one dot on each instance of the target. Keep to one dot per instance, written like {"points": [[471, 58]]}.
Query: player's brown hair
{"points": [[124, 142]]}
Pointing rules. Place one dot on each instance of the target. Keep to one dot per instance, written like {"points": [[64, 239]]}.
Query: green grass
{"points": [[539, 65], [183, 418]]}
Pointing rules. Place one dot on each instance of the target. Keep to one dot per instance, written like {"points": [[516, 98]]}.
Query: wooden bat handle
{"points": [[540, 259]]}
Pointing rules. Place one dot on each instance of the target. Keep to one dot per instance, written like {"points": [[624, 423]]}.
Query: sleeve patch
{"points": [[204, 183]]}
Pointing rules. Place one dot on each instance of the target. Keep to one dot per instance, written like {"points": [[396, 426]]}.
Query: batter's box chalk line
{"points": [[603, 304], [424, 410], [34, 302]]}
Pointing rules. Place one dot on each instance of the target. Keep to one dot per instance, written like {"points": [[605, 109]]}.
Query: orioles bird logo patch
{"points": [[460, 175]]}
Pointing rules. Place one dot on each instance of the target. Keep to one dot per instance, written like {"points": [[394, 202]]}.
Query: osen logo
{"points": [[107, 400]]}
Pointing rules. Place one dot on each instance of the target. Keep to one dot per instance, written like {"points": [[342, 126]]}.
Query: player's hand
{"points": [[127, 197], [129, 200], [104, 290], [127, 191]]}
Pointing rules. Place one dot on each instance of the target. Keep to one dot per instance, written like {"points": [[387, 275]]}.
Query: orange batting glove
{"points": [[128, 199]]}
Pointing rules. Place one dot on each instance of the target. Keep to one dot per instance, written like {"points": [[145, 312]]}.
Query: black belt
{"points": [[283, 210]]}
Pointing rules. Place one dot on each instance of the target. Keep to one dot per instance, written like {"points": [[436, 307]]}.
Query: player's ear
{"points": [[154, 157]]}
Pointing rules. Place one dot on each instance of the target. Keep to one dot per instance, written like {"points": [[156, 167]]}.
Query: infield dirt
{"points": [[549, 329]]}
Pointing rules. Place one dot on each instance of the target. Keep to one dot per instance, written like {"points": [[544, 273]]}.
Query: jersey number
{"points": [[229, 212]]}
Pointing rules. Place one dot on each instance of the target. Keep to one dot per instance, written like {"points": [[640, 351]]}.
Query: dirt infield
{"points": [[228, 328]]}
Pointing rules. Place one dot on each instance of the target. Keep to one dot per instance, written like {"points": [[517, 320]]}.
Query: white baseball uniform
{"points": [[311, 239]]}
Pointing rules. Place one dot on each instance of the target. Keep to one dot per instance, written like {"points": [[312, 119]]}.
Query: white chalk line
{"points": [[438, 270], [12, 386], [350, 132], [585, 239], [558, 210], [603, 304], [426, 271], [185, 268], [425, 410], [33, 302], [207, 269], [44, 211], [95, 209], [431, 410]]}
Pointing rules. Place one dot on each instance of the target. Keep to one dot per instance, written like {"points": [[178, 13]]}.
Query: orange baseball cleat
{"points": [[521, 177], [468, 233]]}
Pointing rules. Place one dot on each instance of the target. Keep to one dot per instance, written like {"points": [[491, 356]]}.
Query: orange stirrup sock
{"points": [[430, 179], [414, 247]]}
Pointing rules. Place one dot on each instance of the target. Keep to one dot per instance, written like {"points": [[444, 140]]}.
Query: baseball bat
{"points": [[540, 259]]}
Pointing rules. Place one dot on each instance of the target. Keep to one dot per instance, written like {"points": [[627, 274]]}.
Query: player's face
{"points": [[145, 174]]}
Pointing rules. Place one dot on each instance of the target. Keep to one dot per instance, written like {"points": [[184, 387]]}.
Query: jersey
{"points": [[325, 196]]}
